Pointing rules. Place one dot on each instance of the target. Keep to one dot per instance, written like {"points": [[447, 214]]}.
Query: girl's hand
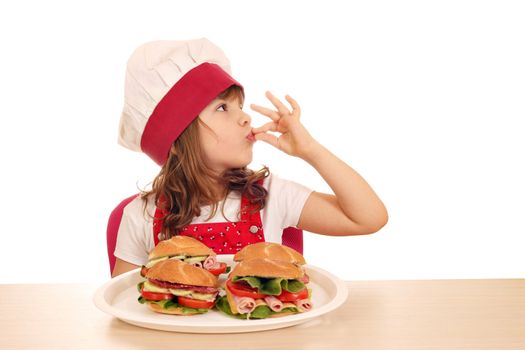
{"points": [[294, 139]]}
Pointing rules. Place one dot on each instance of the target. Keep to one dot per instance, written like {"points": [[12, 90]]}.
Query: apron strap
{"points": [[158, 218]]}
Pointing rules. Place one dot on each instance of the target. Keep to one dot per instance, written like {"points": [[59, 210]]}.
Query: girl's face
{"points": [[228, 145]]}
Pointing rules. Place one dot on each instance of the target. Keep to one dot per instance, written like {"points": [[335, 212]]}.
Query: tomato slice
{"points": [[241, 290], [288, 296], [197, 304], [219, 270], [156, 296]]}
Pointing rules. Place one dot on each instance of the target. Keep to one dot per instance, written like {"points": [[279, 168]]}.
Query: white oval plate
{"points": [[118, 297]]}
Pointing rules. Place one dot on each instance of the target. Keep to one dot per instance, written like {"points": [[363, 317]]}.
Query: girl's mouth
{"points": [[251, 137]]}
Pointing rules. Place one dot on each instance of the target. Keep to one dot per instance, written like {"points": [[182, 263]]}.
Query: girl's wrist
{"points": [[313, 152]]}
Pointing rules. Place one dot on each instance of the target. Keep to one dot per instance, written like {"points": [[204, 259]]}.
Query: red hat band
{"points": [[180, 106]]}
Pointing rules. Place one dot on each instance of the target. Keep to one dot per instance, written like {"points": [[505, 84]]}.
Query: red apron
{"points": [[222, 237]]}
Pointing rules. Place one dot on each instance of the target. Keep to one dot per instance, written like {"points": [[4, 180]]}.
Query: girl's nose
{"points": [[245, 119]]}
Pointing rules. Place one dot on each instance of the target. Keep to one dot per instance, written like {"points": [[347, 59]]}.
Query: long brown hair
{"points": [[185, 182]]}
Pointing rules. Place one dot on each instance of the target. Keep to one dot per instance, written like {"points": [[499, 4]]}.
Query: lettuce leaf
{"points": [[292, 286], [272, 286]]}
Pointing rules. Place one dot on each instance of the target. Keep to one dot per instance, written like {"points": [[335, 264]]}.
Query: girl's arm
{"points": [[354, 209], [122, 266]]}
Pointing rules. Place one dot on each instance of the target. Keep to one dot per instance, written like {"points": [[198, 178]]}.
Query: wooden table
{"points": [[434, 314]]}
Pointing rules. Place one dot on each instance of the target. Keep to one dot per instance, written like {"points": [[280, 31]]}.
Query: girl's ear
{"points": [[173, 152]]}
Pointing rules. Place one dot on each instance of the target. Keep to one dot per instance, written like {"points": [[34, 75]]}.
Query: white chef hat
{"points": [[168, 83]]}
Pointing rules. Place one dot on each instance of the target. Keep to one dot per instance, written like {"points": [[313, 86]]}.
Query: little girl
{"points": [[185, 111]]}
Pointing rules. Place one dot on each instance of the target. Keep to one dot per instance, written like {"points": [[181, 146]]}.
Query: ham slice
{"points": [[211, 262], [303, 305], [273, 303], [245, 305], [144, 271], [305, 279]]}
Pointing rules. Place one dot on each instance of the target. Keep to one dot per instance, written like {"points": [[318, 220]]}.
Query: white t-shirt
{"points": [[283, 208]]}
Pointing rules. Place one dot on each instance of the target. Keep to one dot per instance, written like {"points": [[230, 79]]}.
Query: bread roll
{"points": [[270, 250], [180, 245], [267, 268], [175, 271], [170, 311]]}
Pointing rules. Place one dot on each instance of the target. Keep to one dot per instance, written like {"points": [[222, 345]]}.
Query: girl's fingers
{"points": [[277, 103], [271, 126], [294, 104], [282, 109], [268, 138], [266, 111]]}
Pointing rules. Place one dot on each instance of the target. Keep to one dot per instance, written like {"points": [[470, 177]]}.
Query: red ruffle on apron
{"points": [[222, 237]]}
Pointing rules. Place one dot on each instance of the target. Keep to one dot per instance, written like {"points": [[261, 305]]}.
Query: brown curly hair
{"points": [[185, 182]]}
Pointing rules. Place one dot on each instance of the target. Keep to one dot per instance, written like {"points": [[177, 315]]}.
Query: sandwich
{"points": [[185, 249], [261, 288], [178, 288], [273, 251]]}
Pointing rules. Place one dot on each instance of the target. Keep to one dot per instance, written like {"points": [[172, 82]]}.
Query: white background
{"points": [[425, 99]]}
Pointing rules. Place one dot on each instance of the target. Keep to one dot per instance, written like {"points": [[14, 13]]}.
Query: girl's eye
{"points": [[223, 106]]}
